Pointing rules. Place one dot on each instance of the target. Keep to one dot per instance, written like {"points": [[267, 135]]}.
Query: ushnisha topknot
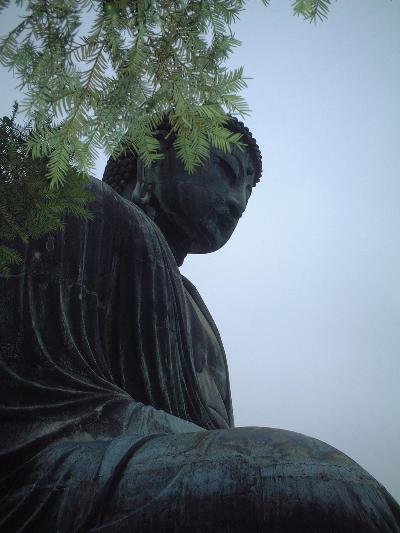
{"points": [[122, 170]]}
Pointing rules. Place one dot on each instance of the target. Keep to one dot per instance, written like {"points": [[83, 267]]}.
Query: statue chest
{"points": [[209, 362]]}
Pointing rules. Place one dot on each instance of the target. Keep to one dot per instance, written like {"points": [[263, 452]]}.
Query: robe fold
{"points": [[112, 371]]}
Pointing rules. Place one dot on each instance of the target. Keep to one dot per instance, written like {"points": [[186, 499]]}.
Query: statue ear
{"points": [[143, 191]]}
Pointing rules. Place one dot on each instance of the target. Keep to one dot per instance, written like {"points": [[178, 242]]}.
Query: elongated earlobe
{"points": [[142, 194]]}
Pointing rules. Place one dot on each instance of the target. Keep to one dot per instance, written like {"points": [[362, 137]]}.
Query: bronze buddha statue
{"points": [[114, 399]]}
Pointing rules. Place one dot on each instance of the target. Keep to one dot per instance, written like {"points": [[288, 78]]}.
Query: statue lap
{"points": [[244, 479]]}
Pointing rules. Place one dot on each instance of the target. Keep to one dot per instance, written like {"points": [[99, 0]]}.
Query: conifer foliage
{"points": [[112, 86], [138, 60], [312, 10], [29, 208]]}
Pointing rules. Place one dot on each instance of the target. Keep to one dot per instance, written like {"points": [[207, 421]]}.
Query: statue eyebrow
{"points": [[234, 162]]}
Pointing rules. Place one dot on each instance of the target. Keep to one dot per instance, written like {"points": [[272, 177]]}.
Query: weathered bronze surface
{"points": [[115, 410]]}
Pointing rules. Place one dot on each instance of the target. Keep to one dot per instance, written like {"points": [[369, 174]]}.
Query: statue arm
{"points": [[144, 420]]}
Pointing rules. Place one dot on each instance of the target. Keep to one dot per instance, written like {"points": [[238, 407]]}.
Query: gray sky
{"points": [[306, 293]]}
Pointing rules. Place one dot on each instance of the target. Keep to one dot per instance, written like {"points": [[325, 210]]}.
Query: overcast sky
{"points": [[306, 294]]}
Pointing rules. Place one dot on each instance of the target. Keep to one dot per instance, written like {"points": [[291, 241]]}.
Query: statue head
{"points": [[198, 211]]}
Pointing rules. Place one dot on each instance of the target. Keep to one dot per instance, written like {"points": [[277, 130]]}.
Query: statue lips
{"points": [[226, 220]]}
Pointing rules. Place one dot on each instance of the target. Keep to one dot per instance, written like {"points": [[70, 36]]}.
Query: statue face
{"points": [[207, 204]]}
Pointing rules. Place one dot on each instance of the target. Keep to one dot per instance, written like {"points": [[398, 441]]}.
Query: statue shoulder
{"points": [[119, 218], [115, 211], [104, 197]]}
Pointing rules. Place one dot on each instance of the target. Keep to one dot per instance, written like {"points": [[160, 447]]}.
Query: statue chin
{"points": [[206, 247], [211, 239]]}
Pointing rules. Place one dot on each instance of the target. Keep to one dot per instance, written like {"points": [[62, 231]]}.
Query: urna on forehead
{"points": [[122, 170]]}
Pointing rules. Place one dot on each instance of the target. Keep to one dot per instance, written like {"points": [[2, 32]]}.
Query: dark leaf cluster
{"points": [[29, 208]]}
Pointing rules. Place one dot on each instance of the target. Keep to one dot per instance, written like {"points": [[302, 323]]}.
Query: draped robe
{"points": [[115, 404]]}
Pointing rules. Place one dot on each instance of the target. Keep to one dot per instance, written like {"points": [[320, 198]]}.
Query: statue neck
{"points": [[177, 239]]}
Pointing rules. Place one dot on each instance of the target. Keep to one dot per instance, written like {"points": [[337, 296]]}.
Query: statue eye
{"points": [[228, 171], [250, 171]]}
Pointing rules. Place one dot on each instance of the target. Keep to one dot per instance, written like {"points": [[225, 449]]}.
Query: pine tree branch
{"points": [[312, 10]]}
